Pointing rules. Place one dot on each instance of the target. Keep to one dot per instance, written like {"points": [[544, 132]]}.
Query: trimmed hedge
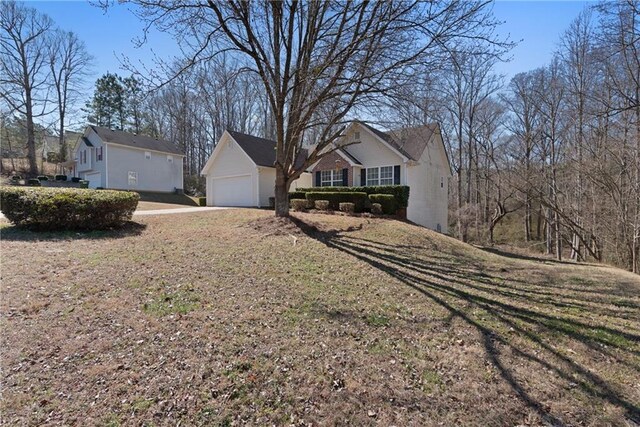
{"points": [[16, 178], [335, 198], [322, 205], [75, 179], [202, 201], [49, 209], [376, 208], [43, 178], [299, 204], [347, 207], [34, 182], [297, 195], [61, 177], [387, 202], [400, 192]]}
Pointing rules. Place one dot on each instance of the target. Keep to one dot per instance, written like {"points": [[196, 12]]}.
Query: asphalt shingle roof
{"points": [[261, 150], [137, 141]]}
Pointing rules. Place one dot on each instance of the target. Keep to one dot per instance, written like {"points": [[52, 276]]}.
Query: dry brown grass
{"points": [[220, 318]]}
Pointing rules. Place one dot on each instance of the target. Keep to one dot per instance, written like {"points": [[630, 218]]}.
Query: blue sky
{"points": [[111, 35]]}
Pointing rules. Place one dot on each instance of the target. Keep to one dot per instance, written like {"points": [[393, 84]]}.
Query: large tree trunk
{"points": [[31, 141], [281, 193]]}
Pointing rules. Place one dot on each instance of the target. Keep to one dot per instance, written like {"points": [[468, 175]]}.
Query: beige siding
{"points": [[266, 184], [304, 181], [153, 174]]}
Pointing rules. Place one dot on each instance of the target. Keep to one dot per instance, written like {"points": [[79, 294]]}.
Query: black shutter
{"points": [[363, 177], [345, 177], [318, 179], [396, 175]]}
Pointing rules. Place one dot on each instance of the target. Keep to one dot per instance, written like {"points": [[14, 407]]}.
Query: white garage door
{"points": [[233, 191], [95, 179]]}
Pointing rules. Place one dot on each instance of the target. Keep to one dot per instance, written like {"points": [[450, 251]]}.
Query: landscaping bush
{"points": [[347, 207], [299, 204], [99, 188], [322, 205], [376, 208], [75, 179], [335, 198], [43, 178], [34, 182], [202, 201], [400, 192], [297, 195], [387, 202], [16, 178], [49, 209], [84, 183], [61, 177]]}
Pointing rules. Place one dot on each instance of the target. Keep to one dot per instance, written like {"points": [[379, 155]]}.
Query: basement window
{"points": [[170, 159], [147, 155]]}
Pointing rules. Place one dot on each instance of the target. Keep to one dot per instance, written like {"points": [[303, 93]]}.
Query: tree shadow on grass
{"points": [[12, 233], [544, 326]]}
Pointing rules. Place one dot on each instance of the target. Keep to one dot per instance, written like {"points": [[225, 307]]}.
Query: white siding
{"points": [[428, 200], [153, 174], [231, 161], [93, 165], [371, 152]]}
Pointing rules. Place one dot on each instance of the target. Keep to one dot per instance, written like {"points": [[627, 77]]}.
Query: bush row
{"points": [[387, 202], [399, 192], [50, 209], [334, 199]]}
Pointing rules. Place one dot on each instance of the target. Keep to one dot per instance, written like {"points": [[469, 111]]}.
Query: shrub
{"points": [[16, 178], [347, 207], [387, 201], [335, 198], [376, 208], [400, 192], [202, 201], [43, 178], [297, 195], [322, 205], [84, 184], [99, 188], [34, 182], [61, 177], [75, 179], [67, 208], [299, 204]]}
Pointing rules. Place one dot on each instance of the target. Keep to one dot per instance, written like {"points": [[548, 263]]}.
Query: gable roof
{"points": [[261, 150], [86, 141], [413, 141], [136, 141]]}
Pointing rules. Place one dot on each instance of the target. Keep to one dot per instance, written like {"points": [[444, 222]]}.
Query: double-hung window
{"points": [[383, 175], [331, 178]]}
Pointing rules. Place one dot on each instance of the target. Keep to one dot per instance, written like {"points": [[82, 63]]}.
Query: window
{"points": [[331, 178], [373, 176], [169, 159], [147, 155], [442, 182], [386, 175], [356, 136], [383, 175], [99, 154], [132, 178]]}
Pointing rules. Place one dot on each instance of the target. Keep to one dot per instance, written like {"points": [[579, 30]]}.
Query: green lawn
{"points": [[230, 318]]}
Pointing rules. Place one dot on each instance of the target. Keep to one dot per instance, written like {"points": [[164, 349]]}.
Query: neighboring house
{"points": [[126, 161], [413, 156], [241, 172]]}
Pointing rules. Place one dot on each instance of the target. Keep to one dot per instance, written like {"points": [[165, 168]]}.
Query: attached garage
{"points": [[240, 171], [231, 191]]}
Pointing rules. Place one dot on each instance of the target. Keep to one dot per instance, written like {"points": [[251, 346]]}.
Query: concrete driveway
{"points": [[178, 210]]}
